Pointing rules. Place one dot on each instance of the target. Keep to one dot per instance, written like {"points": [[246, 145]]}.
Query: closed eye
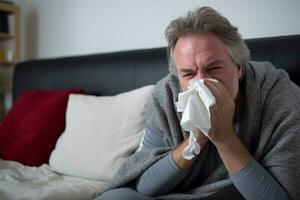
{"points": [[186, 75], [213, 68]]}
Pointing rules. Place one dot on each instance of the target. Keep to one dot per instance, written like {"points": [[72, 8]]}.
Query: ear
{"points": [[239, 70]]}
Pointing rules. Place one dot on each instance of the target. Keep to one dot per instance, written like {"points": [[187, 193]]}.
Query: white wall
{"points": [[55, 28]]}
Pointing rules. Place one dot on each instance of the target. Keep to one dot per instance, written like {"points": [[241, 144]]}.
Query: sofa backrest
{"points": [[112, 73]]}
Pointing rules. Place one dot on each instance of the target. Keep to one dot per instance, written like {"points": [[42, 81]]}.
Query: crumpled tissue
{"points": [[194, 105]]}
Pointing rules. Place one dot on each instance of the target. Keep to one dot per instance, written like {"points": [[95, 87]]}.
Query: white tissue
{"points": [[192, 149], [194, 105]]}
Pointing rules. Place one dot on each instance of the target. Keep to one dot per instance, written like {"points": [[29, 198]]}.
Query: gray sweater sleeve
{"points": [[164, 175], [254, 182]]}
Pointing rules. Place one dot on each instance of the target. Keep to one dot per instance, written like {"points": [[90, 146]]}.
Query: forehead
{"points": [[204, 45]]}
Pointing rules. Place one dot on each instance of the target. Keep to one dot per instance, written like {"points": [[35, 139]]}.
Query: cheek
{"points": [[184, 84], [234, 86], [231, 81]]}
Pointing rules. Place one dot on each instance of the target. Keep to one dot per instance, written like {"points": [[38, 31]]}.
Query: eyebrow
{"points": [[186, 70], [205, 67], [214, 62]]}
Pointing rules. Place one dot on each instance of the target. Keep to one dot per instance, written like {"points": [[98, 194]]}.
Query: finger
{"points": [[212, 110], [218, 85], [214, 89], [224, 89]]}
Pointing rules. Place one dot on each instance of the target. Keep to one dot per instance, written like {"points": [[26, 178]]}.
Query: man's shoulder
{"points": [[167, 80], [262, 67], [271, 80], [265, 72], [167, 85]]}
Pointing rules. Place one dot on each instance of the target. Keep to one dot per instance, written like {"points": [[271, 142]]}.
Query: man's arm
{"points": [[235, 156], [233, 153], [248, 176], [254, 182], [167, 173], [180, 161]]}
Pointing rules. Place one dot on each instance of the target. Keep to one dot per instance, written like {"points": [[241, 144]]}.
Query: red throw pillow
{"points": [[29, 131]]}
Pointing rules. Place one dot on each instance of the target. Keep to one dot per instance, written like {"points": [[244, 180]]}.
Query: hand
{"points": [[181, 162], [233, 153], [221, 113]]}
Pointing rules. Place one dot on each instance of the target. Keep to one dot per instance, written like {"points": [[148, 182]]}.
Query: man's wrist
{"points": [[181, 162], [225, 142], [201, 139], [234, 154]]}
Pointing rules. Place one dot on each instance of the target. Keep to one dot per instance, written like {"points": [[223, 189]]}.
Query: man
{"points": [[252, 149]]}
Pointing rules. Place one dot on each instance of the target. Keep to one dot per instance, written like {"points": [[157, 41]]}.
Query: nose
{"points": [[201, 75]]}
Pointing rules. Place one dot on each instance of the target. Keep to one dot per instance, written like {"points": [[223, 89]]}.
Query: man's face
{"points": [[199, 56]]}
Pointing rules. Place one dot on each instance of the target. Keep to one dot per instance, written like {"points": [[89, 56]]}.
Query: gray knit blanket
{"points": [[269, 127]]}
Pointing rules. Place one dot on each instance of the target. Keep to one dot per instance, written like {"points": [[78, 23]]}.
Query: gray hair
{"points": [[206, 20]]}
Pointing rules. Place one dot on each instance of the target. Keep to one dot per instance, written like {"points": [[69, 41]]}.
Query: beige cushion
{"points": [[101, 132]]}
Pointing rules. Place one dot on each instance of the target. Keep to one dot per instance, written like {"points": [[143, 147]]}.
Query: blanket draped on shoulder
{"points": [[269, 128]]}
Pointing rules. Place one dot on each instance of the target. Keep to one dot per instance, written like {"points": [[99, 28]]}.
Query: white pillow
{"points": [[101, 132]]}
